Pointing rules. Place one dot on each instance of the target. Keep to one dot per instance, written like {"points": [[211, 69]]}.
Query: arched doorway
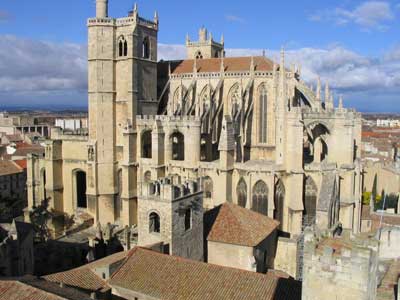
{"points": [[80, 189], [310, 201], [260, 198]]}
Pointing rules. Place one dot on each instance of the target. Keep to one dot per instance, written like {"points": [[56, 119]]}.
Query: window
{"points": [[188, 219], [263, 115], [199, 55], [146, 144], [122, 47], [146, 48], [154, 222], [178, 146], [241, 193], [260, 198], [208, 187]]}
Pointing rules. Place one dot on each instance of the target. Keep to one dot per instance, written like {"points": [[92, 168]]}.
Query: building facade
{"points": [[255, 133]]}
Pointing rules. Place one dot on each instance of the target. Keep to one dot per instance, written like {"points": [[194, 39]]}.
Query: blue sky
{"points": [[353, 44]]}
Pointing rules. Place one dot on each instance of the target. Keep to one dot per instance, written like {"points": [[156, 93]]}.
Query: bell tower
{"points": [[205, 47]]}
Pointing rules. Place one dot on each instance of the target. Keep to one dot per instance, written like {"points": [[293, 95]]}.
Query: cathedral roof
{"points": [[162, 276], [231, 64], [241, 226]]}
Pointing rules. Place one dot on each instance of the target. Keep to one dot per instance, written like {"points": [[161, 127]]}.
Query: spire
{"points": [[222, 39], [210, 37], [326, 91], [318, 93], [263, 53], [135, 7], [187, 38], [340, 102], [169, 69], [156, 17], [299, 69]]}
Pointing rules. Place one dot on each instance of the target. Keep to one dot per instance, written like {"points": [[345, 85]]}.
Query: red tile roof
{"points": [[30, 288], [8, 167], [22, 163], [231, 64], [84, 277], [241, 226], [167, 277]]}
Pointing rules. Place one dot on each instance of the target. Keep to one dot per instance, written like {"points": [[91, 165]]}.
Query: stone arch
{"points": [[262, 113], [259, 201], [315, 145], [241, 192], [154, 222], [177, 141], [146, 143], [79, 188], [208, 187], [310, 191], [279, 201]]}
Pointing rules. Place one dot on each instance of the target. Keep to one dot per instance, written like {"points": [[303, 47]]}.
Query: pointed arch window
{"points": [[260, 198], [263, 115], [241, 193], [122, 47]]}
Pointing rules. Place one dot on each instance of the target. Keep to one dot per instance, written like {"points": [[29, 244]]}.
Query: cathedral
{"points": [[208, 128]]}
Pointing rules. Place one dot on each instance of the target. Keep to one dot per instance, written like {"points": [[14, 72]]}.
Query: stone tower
{"points": [[205, 47], [170, 212], [122, 55]]}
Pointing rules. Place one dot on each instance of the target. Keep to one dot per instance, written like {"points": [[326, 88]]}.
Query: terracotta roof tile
{"points": [[231, 64], [22, 163], [8, 167], [31, 288], [241, 226], [169, 277], [84, 277]]}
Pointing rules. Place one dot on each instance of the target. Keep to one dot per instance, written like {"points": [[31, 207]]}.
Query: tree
{"points": [[39, 217]]}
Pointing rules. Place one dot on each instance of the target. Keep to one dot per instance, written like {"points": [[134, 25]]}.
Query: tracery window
{"points": [[122, 47], [199, 55], [263, 115], [241, 193], [260, 198]]}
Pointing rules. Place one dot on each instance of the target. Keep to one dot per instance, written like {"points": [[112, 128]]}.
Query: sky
{"points": [[354, 45]]}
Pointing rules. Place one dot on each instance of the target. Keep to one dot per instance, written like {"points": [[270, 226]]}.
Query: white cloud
{"points": [[370, 15], [234, 18], [27, 65], [35, 68]]}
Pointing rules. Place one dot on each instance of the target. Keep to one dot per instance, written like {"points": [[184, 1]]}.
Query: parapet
{"points": [[170, 188]]}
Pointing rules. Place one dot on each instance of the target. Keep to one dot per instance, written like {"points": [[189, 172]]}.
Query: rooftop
{"points": [[8, 167], [231, 64], [179, 278], [241, 226]]}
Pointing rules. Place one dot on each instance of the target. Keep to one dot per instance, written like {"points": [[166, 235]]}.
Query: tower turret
{"points": [[101, 8]]}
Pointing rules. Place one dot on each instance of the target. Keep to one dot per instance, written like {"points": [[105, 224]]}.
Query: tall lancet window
{"points": [[263, 115]]}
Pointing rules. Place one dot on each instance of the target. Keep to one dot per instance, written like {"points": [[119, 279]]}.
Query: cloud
{"points": [[40, 71], [370, 15], [348, 72], [235, 19], [5, 16], [40, 66]]}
